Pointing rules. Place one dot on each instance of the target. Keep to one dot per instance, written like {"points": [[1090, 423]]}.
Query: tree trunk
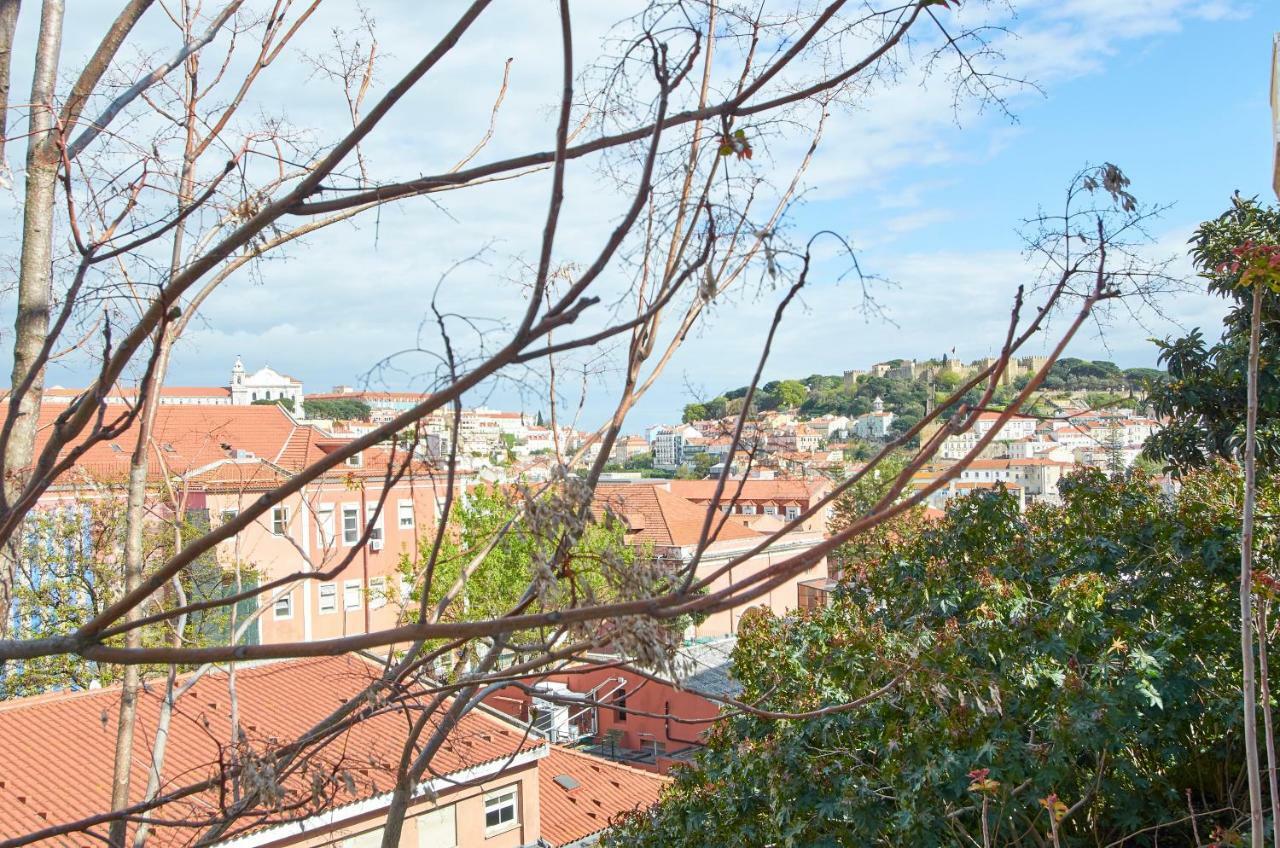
{"points": [[35, 279], [1268, 723], [8, 24], [133, 555], [137, 513], [1246, 579]]}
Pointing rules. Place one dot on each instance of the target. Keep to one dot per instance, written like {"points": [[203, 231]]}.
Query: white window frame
{"points": [[348, 594], [793, 512], [497, 801], [369, 510], [356, 460], [771, 509], [350, 509], [287, 600], [279, 520], [377, 592], [324, 524], [748, 509], [230, 514], [404, 510], [329, 592]]}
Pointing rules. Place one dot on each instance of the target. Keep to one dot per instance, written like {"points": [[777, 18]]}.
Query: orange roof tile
{"points": [[751, 489], [605, 791], [212, 392], [656, 514], [56, 762], [184, 437]]}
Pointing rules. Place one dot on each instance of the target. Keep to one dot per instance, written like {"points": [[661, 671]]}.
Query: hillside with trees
{"points": [[908, 399]]}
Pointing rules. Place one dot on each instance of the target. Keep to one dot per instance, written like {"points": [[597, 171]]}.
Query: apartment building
{"points": [[492, 785], [208, 463]]}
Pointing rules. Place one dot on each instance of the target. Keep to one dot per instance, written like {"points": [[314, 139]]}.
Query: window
{"points": [[438, 828], [350, 524], [500, 810], [283, 607], [229, 515], [770, 509], [377, 592], [324, 520], [620, 706], [793, 512], [748, 509], [355, 460], [404, 514], [328, 597], [375, 533], [280, 520], [351, 595]]}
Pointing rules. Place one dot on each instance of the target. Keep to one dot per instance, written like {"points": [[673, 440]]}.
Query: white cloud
{"points": [[343, 300]]}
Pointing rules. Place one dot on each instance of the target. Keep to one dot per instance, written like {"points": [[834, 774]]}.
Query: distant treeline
{"points": [[827, 394]]}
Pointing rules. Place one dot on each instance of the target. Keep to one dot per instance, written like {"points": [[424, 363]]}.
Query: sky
{"points": [[932, 198]]}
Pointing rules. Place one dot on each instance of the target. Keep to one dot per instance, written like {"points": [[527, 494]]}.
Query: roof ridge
{"points": [[23, 701], [562, 749]]}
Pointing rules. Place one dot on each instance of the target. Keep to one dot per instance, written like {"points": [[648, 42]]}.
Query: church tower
{"points": [[239, 393]]}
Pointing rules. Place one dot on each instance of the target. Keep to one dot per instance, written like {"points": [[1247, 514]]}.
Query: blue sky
{"points": [[1174, 91]]}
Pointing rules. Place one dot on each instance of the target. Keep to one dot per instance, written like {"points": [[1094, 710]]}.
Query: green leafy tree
{"points": [[343, 409], [70, 570], [1205, 396], [287, 403], [697, 468], [694, 412], [788, 394], [502, 572], [1077, 661]]}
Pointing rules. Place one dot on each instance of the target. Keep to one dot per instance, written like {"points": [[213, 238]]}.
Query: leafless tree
{"points": [[668, 128]]}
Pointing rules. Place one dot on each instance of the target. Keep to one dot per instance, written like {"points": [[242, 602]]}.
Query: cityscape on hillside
{"points": [[660, 424]]}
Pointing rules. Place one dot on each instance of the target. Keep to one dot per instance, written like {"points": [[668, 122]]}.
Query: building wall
{"points": [[276, 556], [649, 703], [780, 600], [469, 811]]}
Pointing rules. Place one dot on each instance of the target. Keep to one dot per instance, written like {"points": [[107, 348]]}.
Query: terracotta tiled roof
{"points": [[185, 437], [605, 791], [199, 440], [55, 763], [656, 514], [752, 489], [211, 392]]}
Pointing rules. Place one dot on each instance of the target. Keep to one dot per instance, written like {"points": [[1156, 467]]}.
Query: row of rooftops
{"points": [[56, 763], [214, 446]]}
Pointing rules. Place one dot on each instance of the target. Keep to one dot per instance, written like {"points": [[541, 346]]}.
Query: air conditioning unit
{"points": [[375, 544]]}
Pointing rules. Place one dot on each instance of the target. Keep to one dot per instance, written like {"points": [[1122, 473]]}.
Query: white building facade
{"points": [[263, 384]]}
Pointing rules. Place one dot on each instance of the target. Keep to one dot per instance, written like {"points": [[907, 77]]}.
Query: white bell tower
{"points": [[239, 394]]}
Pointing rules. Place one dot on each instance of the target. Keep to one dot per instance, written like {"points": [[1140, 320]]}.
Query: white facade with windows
{"points": [[264, 384]]}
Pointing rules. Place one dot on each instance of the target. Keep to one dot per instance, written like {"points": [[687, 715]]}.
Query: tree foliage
{"points": [[1081, 654], [527, 539], [287, 403], [69, 571], [343, 409], [1204, 399]]}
